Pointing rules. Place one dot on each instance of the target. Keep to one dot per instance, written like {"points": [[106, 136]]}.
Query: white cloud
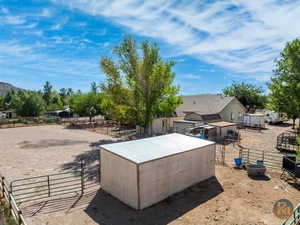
{"points": [[192, 76], [4, 10], [102, 32], [46, 13], [29, 26], [243, 36], [16, 58], [55, 27], [36, 32], [13, 20], [81, 24]]}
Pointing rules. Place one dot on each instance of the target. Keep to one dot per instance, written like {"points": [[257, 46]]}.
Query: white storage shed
{"points": [[143, 172], [254, 120]]}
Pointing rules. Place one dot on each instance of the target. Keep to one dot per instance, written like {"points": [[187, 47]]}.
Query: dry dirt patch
{"points": [[231, 199], [42, 150]]}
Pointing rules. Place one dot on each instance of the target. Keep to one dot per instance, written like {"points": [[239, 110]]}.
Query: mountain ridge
{"points": [[6, 87]]}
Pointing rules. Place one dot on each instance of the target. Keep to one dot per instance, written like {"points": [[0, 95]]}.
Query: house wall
{"points": [[164, 177], [224, 130], [160, 125], [234, 108], [119, 178]]}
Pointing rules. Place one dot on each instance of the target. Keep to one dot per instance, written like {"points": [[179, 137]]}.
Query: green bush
{"points": [[298, 148], [9, 220]]}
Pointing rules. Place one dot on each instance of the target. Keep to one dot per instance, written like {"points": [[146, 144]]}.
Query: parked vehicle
{"points": [[2, 115], [272, 117]]}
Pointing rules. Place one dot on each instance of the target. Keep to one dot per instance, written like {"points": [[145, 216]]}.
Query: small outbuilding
{"points": [[143, 172], [254, 120], [183, 126]]}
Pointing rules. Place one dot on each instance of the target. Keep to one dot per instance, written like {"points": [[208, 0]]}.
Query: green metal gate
{"points": [[42, 187]]}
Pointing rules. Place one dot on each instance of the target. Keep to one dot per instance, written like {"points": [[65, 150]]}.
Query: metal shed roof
{"points": [[186, 121], [144, 150]]}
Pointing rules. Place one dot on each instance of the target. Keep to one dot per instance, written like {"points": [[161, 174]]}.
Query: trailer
{"points": [[254, 120], [273, 117]]}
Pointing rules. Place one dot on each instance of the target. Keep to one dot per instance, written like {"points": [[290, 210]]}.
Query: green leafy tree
{"points": [[249, 95], [8, 100], [56, 102], [298, 148], [63, 95], [2, 103], [168, 106], [47, 90], [94, 87], [70, 92], [86, 104], [28, 103], [139, 82], [285, 84]]}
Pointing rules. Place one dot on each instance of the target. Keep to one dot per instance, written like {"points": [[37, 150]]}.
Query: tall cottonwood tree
{"points": [[47, 91], [285, 84], [139, 82]]}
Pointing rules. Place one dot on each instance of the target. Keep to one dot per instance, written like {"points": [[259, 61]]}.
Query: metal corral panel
{"points": [[254, 120], [148, 149]]}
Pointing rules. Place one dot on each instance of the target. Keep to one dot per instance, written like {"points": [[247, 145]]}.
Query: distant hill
{"points": [[6, 87]]}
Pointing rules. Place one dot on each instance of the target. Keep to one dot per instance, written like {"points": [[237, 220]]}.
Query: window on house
{"points": [[240, 116], [232, 116]]}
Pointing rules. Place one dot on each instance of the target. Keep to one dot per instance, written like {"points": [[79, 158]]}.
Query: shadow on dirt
{"points": [[105, 209], [89, 159], [46, 143], [281, 124], [62, 204], [262, 178]]}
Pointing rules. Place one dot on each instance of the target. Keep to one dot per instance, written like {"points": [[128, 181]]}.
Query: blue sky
{"points": [[213, 42]]}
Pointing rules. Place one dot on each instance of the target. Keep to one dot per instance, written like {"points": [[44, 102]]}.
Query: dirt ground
{"points": [[232, 198], [42, 150]]}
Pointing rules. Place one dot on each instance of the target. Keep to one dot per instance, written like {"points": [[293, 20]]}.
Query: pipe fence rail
{"points": [[13, 207], [43, 187], [287, 142], [272, 160], [295, 218]]}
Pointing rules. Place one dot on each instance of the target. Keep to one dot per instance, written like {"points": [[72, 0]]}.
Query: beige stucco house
{"points": [[211, 108], [216, 116]]}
